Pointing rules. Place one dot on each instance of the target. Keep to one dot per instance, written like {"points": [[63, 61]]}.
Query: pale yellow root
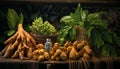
{"points": [[11, 38], [15, 55], [29, 54], [19, 45], [8, 51], [21, 55]]}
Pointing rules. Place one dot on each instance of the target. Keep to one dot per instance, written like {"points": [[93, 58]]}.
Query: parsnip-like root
{"points": [[40, 54], [20, 45]]}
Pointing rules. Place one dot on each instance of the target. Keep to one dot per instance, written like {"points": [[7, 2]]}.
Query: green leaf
{"points": [[21, 18], [72, 33], [96, 37], [12, 19], [89, 31], [77, 15], [115, 38], [66, 19], [93, 16], [108, 50], [10, 32], [106, 36], [84, 15], [81, 23]]}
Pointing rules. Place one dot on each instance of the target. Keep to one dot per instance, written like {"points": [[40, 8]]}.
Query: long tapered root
{"points": [[20, 45]]}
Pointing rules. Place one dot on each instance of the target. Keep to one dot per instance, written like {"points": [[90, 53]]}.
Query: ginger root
{"points": [[20, 45]]}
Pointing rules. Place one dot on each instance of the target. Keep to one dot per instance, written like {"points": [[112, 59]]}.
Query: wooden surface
{"points": [[93, 63]]}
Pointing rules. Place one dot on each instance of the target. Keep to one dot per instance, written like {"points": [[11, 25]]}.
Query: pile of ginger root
{"points": [[20, 45], [70, 51]]}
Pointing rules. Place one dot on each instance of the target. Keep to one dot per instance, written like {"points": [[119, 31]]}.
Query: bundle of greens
{"points": [[103, 38], [43, 28], [69, 24]]}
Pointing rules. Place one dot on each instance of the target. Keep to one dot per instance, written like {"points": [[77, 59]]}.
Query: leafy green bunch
{"points": [[103, 38], [69, 23], [43, 28], [13, 19]]}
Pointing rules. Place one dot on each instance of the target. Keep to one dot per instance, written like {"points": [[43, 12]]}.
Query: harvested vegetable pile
{"points": [[20, 45], [40, 54], [70, 51]]}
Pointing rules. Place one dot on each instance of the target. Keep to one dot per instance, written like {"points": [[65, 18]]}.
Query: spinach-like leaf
{"points": [[66, 19], [72, 33], [89, 31], [79, 16], [96, 37], [106, 36]]}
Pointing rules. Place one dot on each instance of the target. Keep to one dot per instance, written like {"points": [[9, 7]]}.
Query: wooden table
{"points": [[93, 63]]}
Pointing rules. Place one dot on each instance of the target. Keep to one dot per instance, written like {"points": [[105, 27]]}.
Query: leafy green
{"points": [[96, 37], [108, 51], [98, 31], [66, 19], [64, 34], [43, 28], [69, 23], [13, 19], [106, 36], [72, 33], [10, 32], [79, 16]]}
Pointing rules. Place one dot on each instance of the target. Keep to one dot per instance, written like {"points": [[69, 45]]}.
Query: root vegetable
{"points": [[40, 46], [58, 51], [63, 56], [69, 48], [46, 55], [36, 52], [41, 51], [68, 43], [80, 53], [41, 58], [30, 53], [72, 54], [53, 58], [8, 52], [87, 49], [57, 58], [52, 53], [56, 45], [79, 46], [84, 43], [21, 54], [85, 55], [35, 57], [19, 45], [76, 43], [15, 55]]}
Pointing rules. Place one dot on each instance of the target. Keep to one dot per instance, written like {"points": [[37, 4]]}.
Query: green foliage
{"points": [[96, 26], [79, 16], [69, 23], [104, 39], [13, 19], [43, 28]]}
